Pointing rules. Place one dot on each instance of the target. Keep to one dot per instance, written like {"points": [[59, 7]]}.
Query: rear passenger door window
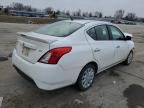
{"points": [[102, 32]]}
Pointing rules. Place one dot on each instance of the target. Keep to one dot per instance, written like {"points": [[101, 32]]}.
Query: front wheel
{"points": [[129, 58], [86, 77]]}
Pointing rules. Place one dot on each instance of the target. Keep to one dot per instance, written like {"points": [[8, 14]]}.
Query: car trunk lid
{"points": [[31, 46]]}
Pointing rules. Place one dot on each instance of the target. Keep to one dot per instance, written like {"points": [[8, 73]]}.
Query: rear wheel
{"points": [[129, 59], [86, 77]]}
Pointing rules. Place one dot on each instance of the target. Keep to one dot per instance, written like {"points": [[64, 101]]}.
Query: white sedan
{"points": [[71, 52]]}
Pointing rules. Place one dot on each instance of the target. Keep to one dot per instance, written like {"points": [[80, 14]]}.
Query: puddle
{"points": [[3, 59], [113, 73], [135, 96]]}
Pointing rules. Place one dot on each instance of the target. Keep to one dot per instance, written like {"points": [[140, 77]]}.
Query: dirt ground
{"points": [[27, 20], [118, 87]]}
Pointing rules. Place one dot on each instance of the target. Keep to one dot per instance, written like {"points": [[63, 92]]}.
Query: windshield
{"points": [[59, 29]]}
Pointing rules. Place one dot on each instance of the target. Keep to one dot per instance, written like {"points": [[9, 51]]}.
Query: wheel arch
{"points": [[91, 62]]}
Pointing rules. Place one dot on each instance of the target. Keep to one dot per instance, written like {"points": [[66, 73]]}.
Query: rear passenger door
{"points": [[102, 46], [121, 47]]}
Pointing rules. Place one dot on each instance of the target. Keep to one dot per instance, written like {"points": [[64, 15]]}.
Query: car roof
{"points": [[88, 21]]}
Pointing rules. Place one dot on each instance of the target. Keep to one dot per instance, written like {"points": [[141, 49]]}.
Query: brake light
{"points": [[54, 55]]}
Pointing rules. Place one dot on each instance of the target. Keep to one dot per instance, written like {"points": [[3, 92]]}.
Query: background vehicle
{"points": [[69, 52]]}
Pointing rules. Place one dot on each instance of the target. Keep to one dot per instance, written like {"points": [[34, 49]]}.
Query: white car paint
{"points": [[66, 71]]}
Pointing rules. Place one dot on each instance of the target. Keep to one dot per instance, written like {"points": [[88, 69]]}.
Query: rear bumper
{"points": [[46, 77]]}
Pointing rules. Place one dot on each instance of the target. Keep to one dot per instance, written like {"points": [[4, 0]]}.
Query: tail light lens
{"points": [[54, 55]]}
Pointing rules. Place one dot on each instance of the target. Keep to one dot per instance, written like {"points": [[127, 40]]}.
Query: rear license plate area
{"points": [[25, 51]]}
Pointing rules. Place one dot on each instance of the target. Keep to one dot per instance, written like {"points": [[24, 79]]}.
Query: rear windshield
{"points": [[59, 29]]}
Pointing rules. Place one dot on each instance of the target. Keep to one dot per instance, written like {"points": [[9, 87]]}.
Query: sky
{"points": [[107, 7]]}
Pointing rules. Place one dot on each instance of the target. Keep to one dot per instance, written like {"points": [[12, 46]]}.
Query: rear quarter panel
{"points": [[80, 55]]}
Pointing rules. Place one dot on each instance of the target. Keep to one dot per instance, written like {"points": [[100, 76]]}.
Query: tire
{"points": [[129, 59], [86, 77]]}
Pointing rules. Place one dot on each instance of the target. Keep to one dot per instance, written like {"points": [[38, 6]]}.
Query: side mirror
{"points": [[128, 38]]}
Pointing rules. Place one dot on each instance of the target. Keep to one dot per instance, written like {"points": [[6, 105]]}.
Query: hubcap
{"points": [[88, 77], [130, 58]]}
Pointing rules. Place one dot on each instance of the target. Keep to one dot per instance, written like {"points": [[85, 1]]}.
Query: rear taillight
{"points": [[54, 55]]}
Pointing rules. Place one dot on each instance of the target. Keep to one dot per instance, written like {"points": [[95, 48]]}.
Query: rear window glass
{"points": [[59, 29]]}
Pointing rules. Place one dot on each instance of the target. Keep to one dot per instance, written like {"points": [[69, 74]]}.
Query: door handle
{"points": [[97, 50], [118, 46]]}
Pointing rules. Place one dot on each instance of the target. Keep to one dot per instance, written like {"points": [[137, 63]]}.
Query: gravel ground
{"points": [[118, 87]]}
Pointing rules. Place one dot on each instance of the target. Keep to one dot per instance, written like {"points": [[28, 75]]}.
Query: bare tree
{"points": [[74, 14], [68, 13], [131, 16], [98, 14], [34, 9], [17, 6], [21, 7], [90, 14], [27, 8], [78, 13], [1, 7], [87, 14], [6, 10], [101, 15], [119, 14], [84, 14], [49, 10], [58, 12]]}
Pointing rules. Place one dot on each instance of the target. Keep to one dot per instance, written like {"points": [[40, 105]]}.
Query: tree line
{"points": [[119, 14]]}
